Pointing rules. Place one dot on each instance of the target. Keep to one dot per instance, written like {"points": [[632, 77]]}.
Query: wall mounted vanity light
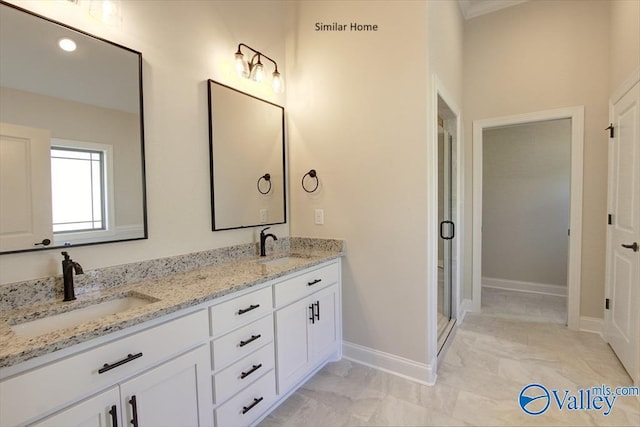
{"points": [[108, 11], [267, 179], [313, 175], [254, 69]]}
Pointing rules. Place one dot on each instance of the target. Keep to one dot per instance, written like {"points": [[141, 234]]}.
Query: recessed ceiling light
{"points": [[67, 45]]}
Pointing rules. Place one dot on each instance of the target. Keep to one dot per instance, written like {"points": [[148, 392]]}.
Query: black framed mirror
{"points": [[247, 159], [71, 137]]}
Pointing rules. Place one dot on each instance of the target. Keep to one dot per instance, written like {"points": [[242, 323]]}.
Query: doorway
{"points": [[525, 218], [574, 234]]}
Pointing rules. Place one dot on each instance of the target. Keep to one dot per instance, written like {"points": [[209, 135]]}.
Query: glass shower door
{"points": [[446, 242]]}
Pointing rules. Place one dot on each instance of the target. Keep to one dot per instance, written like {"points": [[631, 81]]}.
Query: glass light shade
{"points": [[258, 72], [277, 83], [241, 65], [108, 11]]}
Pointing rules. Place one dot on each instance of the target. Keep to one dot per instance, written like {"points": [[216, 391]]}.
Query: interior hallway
{"points": [[492, 357]]}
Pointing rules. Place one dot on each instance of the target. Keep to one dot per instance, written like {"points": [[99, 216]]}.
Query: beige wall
{"points": [[525, 209], [625, 41], [183, 44], [543, 55], [358, 114]]}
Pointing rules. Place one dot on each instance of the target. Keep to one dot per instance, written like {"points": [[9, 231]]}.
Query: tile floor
{"points": [[492, 357]]}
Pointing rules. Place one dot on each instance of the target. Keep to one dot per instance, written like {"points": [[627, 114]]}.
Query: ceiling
{"points": [[473, 8]]}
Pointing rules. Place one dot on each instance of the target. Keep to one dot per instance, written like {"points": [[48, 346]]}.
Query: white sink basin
{"points": [[78, 316], [280, 261]]}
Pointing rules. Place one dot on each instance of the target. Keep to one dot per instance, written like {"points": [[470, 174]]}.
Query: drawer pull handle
{"points": [[250, 340], [314, 282], [317, 304], [312, 315], [246, 310], [114, 416], [246, 409], [134, 410], [127, 359], [250, 371]]}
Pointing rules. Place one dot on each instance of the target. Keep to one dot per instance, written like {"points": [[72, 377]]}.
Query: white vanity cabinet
{"points": [[166, 368], [242, 352], [308, 326]]}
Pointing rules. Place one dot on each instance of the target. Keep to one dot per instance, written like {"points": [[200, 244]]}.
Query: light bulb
{"points": [[277, 82], [67, 45], [240, 64], [258, 72], [108, 11]]}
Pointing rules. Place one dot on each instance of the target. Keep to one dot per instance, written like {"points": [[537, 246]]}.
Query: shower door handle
{"points": [[453, 230]]}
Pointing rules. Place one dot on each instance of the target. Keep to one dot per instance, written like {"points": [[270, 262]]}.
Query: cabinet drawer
{"points": [[242, 373], [241, 342], [300, 286], [232, 314], [246, 407], [27, 395]]}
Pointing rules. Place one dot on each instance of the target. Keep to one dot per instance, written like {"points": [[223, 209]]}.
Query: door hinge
{"points": [[610, 129], [610, 219], [606, 303], [568, 232]]}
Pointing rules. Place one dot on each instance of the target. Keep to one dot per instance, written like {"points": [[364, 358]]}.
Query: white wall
{"points": [[183, 43], [525, 209], [625, 41], [542, 55], [359, 115]]}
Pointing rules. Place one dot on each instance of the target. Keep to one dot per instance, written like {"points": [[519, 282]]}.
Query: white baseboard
{"points": [[409, 369], [465, 306], [591, 324], [516, 285]]}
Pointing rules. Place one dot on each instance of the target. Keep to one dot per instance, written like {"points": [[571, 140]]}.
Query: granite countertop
{"points": [[168, 294]]}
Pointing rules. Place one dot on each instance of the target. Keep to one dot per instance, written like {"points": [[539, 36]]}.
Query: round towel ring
{"points": [[266, 177], [311, 174]]}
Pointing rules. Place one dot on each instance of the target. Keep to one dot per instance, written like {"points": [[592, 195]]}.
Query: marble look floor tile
{"points": [[491, 358]]}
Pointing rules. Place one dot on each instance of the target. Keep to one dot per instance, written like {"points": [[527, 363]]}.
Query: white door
{"points": [[175, 394], [98, 411], [25, 187], [622, 322], [324, 333], [292, 340]]}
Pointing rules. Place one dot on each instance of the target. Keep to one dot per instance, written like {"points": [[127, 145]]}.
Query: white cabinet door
{"points": [[292, 343], [175, 394], [98, 411], [622, 319], [25, 187], [324, 333]]}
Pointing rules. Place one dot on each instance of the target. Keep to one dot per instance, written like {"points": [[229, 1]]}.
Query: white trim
{"points": [[465, 306], [594, 325], [520, 286], [421, 373], [472, 9], [576, 114], [625, 87]]}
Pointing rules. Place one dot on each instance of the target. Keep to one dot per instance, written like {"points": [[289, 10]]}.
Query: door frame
{"points": [[576, 114]]}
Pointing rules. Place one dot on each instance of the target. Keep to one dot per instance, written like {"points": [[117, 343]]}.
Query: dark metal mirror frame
{"points": [[142, 153], [211, 166]]}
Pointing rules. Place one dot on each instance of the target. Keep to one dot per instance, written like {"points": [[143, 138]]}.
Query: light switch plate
{"points": [[263, 216], [319, 216]]}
